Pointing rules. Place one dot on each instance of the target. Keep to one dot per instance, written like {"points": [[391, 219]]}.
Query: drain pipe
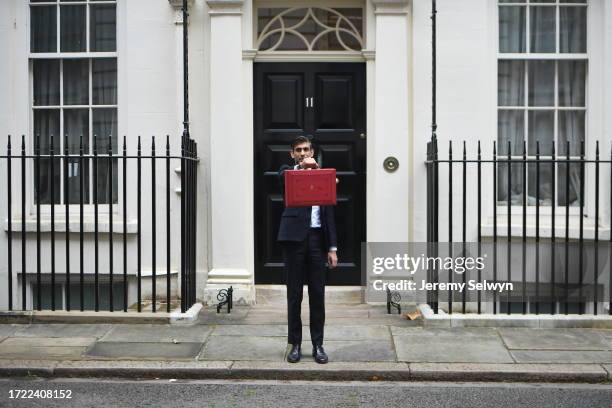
{"points": [[434, 125], [185, 71]]}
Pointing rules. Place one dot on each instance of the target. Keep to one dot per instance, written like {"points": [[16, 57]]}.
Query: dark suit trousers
{"points": [[305, 263]]}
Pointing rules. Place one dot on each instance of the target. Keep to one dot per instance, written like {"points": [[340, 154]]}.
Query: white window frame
{"points": [[528, 56], [88, 208]]}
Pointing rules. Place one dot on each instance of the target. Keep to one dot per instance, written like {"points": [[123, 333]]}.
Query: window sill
{"points": [[74, 224], [516, 228]]}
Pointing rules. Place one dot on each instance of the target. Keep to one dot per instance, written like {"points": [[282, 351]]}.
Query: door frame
{"points": [[369, 89]]}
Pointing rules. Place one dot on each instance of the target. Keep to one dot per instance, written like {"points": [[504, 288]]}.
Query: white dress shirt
{"points": [[315, 216]]}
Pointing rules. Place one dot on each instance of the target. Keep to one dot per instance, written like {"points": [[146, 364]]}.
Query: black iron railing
{"points": [[45, 169], [568, 285]]}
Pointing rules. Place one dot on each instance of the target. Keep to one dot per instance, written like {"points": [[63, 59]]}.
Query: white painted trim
{"points": [[297, 56]]}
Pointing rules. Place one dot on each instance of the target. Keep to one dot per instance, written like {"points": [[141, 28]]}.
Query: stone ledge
{"points": [[91, 317], [542, 321]]}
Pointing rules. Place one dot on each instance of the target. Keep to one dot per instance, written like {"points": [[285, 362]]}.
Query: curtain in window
{"points": [[511, 83], [76, 124], [104, 81], [573, 29], [105, 131], [512, 29], [47, 124], [543, 29], [43, 29], [510, 127], [102, 28], [46, 75]]}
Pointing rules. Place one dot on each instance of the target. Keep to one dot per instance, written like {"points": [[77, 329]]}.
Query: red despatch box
{"points": [[304, 188]]}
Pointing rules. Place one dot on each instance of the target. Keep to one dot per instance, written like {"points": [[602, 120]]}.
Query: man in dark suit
{"points": [[308, 239]]}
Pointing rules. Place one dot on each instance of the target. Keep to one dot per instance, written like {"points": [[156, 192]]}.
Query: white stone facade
{"points": [[222, 51]]}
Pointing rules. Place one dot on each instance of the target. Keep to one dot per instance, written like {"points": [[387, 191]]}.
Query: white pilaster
{"points": [[389, 192], [231, 159]]}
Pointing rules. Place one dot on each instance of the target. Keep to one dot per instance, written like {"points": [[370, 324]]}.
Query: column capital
{"points": [[391, 6], [224, 7]]}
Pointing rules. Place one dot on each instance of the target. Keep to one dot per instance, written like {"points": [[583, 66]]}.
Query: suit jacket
{"points": [[295, 222]]}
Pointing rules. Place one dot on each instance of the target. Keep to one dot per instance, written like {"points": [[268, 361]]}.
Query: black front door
{"points": [[328, 101]]}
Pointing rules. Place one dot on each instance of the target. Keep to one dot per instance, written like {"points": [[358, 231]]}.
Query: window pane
{"points": [[573, 29], [541, 128], [511, 79], [516, 184], [46, 124], [510, 127], [541, 83], [102, 32], [43, 29], [572, 83], [543, 29], [89, 293], [545, 184], [569, 191], [76, 82], [76, 124], [46, 292], [46, 82], [72, 26], [512, 28], [104, 78], [105, 127], [571, 129]]}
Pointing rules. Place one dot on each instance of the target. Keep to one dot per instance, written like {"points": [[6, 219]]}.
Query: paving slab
{"points": [[29, 352], [353, 333], [309, 370], [365, 350], [47, 342], [158, 333], [7, 330], [265, 330], [553, 339], [507, 372], [151, 351], [561, 356], [251, 348], [456, 345], [64, 330], [43, 353]]}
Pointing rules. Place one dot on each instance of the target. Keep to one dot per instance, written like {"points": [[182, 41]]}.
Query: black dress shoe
{"points": [[319, 354], [295, 354]]}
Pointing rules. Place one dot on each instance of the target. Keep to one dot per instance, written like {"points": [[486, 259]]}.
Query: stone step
{"points": [[277, 294]]}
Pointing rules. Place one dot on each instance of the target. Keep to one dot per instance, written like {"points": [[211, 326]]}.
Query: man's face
{"points": [[301, 151]]}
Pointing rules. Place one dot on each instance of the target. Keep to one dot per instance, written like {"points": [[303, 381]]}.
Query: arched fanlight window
{"points": [[310, 29]]}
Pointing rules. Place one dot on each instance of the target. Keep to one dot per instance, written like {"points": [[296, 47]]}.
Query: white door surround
{"points": [[387, 55]]}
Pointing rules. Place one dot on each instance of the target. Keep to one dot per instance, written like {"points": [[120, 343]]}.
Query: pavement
{"points": [[363, 343]]}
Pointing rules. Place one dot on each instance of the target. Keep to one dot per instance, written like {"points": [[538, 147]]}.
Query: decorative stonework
{"points": [[310, 29]]}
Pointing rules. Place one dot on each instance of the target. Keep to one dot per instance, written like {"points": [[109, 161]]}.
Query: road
{"points": [[294, 394]]}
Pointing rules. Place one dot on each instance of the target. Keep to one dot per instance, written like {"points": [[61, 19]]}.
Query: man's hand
{"points": [[332, 259], [309, 163]]}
